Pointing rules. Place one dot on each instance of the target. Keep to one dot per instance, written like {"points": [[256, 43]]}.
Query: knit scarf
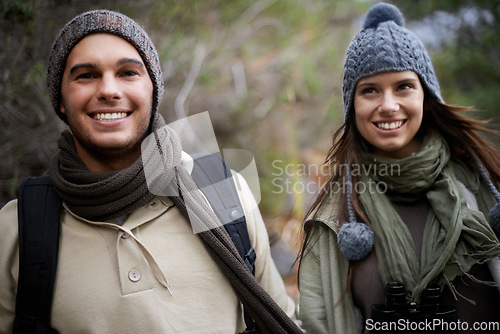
{"points": [[455, 237], [109, 195], [105, 195]]}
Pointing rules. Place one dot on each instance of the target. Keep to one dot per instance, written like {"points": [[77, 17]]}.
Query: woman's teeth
{"points": [[389, 126], [109, 116]]}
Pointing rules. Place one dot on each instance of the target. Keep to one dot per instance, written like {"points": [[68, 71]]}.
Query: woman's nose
{"points": [[389, 103]]}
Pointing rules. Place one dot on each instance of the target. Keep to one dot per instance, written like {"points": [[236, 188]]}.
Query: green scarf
{"points": [[455, 237]]}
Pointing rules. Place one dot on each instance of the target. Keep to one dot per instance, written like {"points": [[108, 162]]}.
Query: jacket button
{"points": [[134, 275], [125, 236], [235, 214]]}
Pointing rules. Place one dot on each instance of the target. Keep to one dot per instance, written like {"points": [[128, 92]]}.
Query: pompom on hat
{"points": [[101, 21], [385, 45], [355, 238]]}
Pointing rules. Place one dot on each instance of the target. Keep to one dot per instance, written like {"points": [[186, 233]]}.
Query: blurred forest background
{"points": [[268, 71]]}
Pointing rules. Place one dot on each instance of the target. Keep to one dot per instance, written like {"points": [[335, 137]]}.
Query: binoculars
{"points": [[398, 315]]}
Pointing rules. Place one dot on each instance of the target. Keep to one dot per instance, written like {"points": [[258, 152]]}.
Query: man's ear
{"points": [[61, 108]]}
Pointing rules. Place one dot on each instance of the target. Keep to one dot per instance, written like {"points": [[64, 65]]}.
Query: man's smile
{"points": [[109, 116]]}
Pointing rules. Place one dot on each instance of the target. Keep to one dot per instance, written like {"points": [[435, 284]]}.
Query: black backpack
{"points": [[38, 218]]}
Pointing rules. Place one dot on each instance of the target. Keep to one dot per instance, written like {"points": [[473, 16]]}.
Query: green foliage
{"points": [[311, 76], [232, 10], [35, 74], [18, 11], [272, 200]]}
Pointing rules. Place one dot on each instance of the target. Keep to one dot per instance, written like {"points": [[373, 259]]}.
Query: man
{"points": [[128, 261]]}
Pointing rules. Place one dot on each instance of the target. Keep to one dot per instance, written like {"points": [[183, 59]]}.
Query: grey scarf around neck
{"points": [[107, 195]]}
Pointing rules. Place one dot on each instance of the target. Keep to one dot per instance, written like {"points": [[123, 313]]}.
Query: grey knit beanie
{"points": [[385, 45], [101, 21]]}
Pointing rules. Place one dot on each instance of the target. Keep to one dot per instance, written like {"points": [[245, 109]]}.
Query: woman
{"points": [[408, 199]]}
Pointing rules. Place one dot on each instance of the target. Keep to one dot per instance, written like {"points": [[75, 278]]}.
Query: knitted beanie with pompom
{"points": [[385, 45]]}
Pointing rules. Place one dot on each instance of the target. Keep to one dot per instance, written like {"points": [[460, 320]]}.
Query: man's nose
{"points": [[109, 88]]}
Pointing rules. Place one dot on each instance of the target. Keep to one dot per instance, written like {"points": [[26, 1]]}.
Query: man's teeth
{"points": [[389, 126], [109, 116]]}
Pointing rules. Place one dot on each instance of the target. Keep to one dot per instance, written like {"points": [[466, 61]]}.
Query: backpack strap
{"points": [[212, 176], [38, 219]]}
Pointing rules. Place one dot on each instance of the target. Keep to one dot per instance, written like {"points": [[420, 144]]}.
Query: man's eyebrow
{"points": [[123, 61], [120, 62], [82, 65]]}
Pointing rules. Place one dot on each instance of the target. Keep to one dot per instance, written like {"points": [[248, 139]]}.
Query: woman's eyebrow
{"points": [[397, 82], [406, 80]]}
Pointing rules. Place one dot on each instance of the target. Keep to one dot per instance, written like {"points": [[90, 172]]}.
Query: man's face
{"points": [[107, 97]]}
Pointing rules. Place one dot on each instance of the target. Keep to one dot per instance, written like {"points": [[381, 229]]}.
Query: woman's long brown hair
{"points": [[462, 133]]}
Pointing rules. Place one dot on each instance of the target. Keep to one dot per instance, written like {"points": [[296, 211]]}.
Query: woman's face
{"points": [[388, 109]]}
